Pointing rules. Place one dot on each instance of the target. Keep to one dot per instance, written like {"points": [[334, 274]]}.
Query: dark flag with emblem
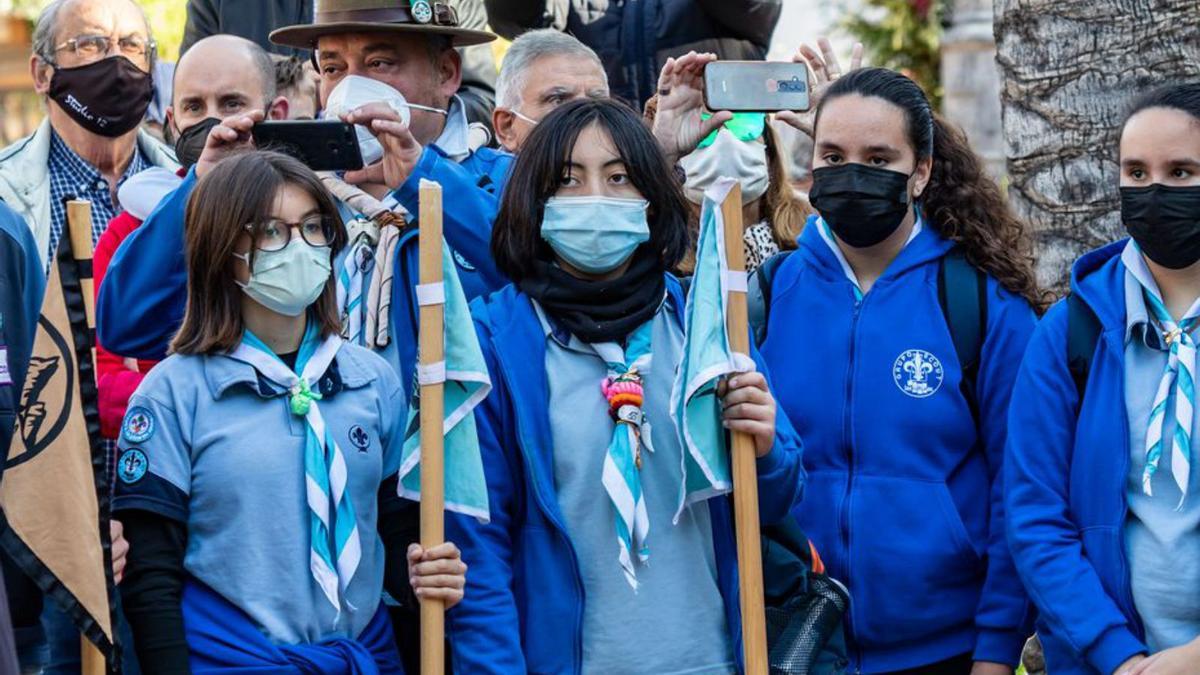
{"points": [[54, 496]]}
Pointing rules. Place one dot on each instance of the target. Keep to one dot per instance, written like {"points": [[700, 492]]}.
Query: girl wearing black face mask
{"points": [[1103, 495], [899, 322]]}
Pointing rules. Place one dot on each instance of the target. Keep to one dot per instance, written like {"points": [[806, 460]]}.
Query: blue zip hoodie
{"points": [[904, 500], [144, 294], [1066, 472], [22, 287], [523, 608]]}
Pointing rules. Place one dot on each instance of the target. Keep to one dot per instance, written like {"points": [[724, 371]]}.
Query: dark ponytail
{"points": [[961, 202]]}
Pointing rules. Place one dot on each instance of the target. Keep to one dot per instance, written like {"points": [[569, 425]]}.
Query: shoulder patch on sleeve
{"points": [[139, 425], [132, 466]]}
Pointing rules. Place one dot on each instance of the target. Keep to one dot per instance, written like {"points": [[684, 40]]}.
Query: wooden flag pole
{"points": [[79, 226], [745, 471], [432, 351]]}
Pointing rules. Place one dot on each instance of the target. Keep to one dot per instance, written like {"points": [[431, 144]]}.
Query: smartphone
{"points": [[323, 145], [756, 86]]}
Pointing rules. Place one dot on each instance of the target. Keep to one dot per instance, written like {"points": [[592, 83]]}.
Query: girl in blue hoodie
{"points": [[583, 348], [904, 442], [1103, 494]]}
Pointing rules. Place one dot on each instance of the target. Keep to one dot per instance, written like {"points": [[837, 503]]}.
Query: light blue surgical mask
{"points": [[595, 234], [287, 281]]}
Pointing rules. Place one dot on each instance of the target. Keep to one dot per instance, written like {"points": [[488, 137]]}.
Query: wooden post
{"points": [[79, 229], [432, 351], [745, 471]]}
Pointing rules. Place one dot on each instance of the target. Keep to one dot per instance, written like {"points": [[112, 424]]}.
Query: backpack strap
{"points": [[1083, 332], [962, 294], [758, 301]]}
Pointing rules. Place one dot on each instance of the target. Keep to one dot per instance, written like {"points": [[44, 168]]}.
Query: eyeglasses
{"points": [[96, 47], [743, 126], [275, 235]]}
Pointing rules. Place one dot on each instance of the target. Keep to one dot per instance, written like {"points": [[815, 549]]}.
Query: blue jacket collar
{"points": [[926, 247], [1098, 278], [520, 351]]}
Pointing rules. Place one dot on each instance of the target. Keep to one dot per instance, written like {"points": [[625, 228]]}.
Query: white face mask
{"points": [[287, 281], [355, 91], [745, 161]]}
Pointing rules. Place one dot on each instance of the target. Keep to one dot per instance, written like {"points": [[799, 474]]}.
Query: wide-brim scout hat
{"points": [[420, 17]]}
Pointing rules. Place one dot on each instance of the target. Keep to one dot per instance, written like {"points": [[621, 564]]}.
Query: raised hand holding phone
{"points": [[231, 136], [825, 68]]}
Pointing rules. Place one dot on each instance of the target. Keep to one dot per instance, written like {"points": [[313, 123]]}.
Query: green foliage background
{"points": [[167, 18], [904, 35]]}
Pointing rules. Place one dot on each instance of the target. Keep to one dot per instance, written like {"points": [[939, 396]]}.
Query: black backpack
{"points": [[962, 295], [1083, 332]]}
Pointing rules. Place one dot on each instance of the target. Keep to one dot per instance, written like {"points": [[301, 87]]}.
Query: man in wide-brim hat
{"points": [[410, 45]]}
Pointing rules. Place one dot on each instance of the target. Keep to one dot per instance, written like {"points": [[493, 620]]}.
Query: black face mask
{"points": [[191, 141], [108, 98], [1165, 223], [863, 205]]}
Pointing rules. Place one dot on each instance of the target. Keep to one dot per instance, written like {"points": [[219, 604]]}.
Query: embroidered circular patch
{"points": [[132, 465], [138, 426], [462, 262], [421, 11], [359, 438], [918, 373]]}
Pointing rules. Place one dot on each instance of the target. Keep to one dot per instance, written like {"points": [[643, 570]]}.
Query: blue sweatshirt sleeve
{"points": [[781, 474], [1004, 614], [1045, 541], [468, 210], [22, 287], [485, 628], [144, 292]]}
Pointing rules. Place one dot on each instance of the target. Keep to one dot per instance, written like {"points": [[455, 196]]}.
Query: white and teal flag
{"points": [[466, 385], [707, 357]]}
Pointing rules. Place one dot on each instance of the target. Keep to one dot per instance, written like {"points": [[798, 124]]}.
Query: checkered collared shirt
{"points": [[71, 175]]}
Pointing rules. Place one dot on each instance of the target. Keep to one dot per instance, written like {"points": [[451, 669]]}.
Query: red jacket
{"points": [[116, 377]]}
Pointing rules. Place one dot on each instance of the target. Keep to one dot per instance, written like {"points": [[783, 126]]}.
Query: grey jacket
{"points": [[25, 178], [255, 19], [634, 38]]}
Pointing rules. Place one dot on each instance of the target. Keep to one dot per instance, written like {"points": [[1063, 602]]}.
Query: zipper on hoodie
{"points": [[848, 447], [576, 635], [1123, 559]]}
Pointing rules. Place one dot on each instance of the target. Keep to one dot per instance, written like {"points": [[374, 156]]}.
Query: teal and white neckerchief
{"points": [[1179, 377], [621, 476], [335, 548]]}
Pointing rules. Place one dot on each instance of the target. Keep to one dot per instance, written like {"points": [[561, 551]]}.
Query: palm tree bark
{"points": [[1069, 70]]}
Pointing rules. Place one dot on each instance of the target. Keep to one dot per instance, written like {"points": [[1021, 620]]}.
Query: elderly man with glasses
{"points": [[92, 62]]}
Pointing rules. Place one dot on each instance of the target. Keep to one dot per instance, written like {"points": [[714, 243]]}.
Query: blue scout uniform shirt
{"points": [[1163, 544], [210, 443], [675, 621]]}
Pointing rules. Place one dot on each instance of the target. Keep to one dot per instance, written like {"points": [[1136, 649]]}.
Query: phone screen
{"points": [[756, 86], [323, 145]]}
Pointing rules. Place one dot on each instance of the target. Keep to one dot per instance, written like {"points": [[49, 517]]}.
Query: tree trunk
{"points": [[1069, 70], [971, 80]]}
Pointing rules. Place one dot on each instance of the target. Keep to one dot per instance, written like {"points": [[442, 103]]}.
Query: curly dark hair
{"points": [[961, 202]]}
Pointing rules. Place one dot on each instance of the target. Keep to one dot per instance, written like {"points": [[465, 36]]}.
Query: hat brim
{"points": [[304, 36]]}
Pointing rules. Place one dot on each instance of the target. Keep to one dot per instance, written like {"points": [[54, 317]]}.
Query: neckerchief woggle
{"points": [[707, 357], [335, 548], [1179, 377], [621, 475], [466, 384]]}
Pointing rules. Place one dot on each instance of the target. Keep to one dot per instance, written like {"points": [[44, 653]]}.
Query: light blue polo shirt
{"points": [[211, 443], [675, 622], [1163, 544]]}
